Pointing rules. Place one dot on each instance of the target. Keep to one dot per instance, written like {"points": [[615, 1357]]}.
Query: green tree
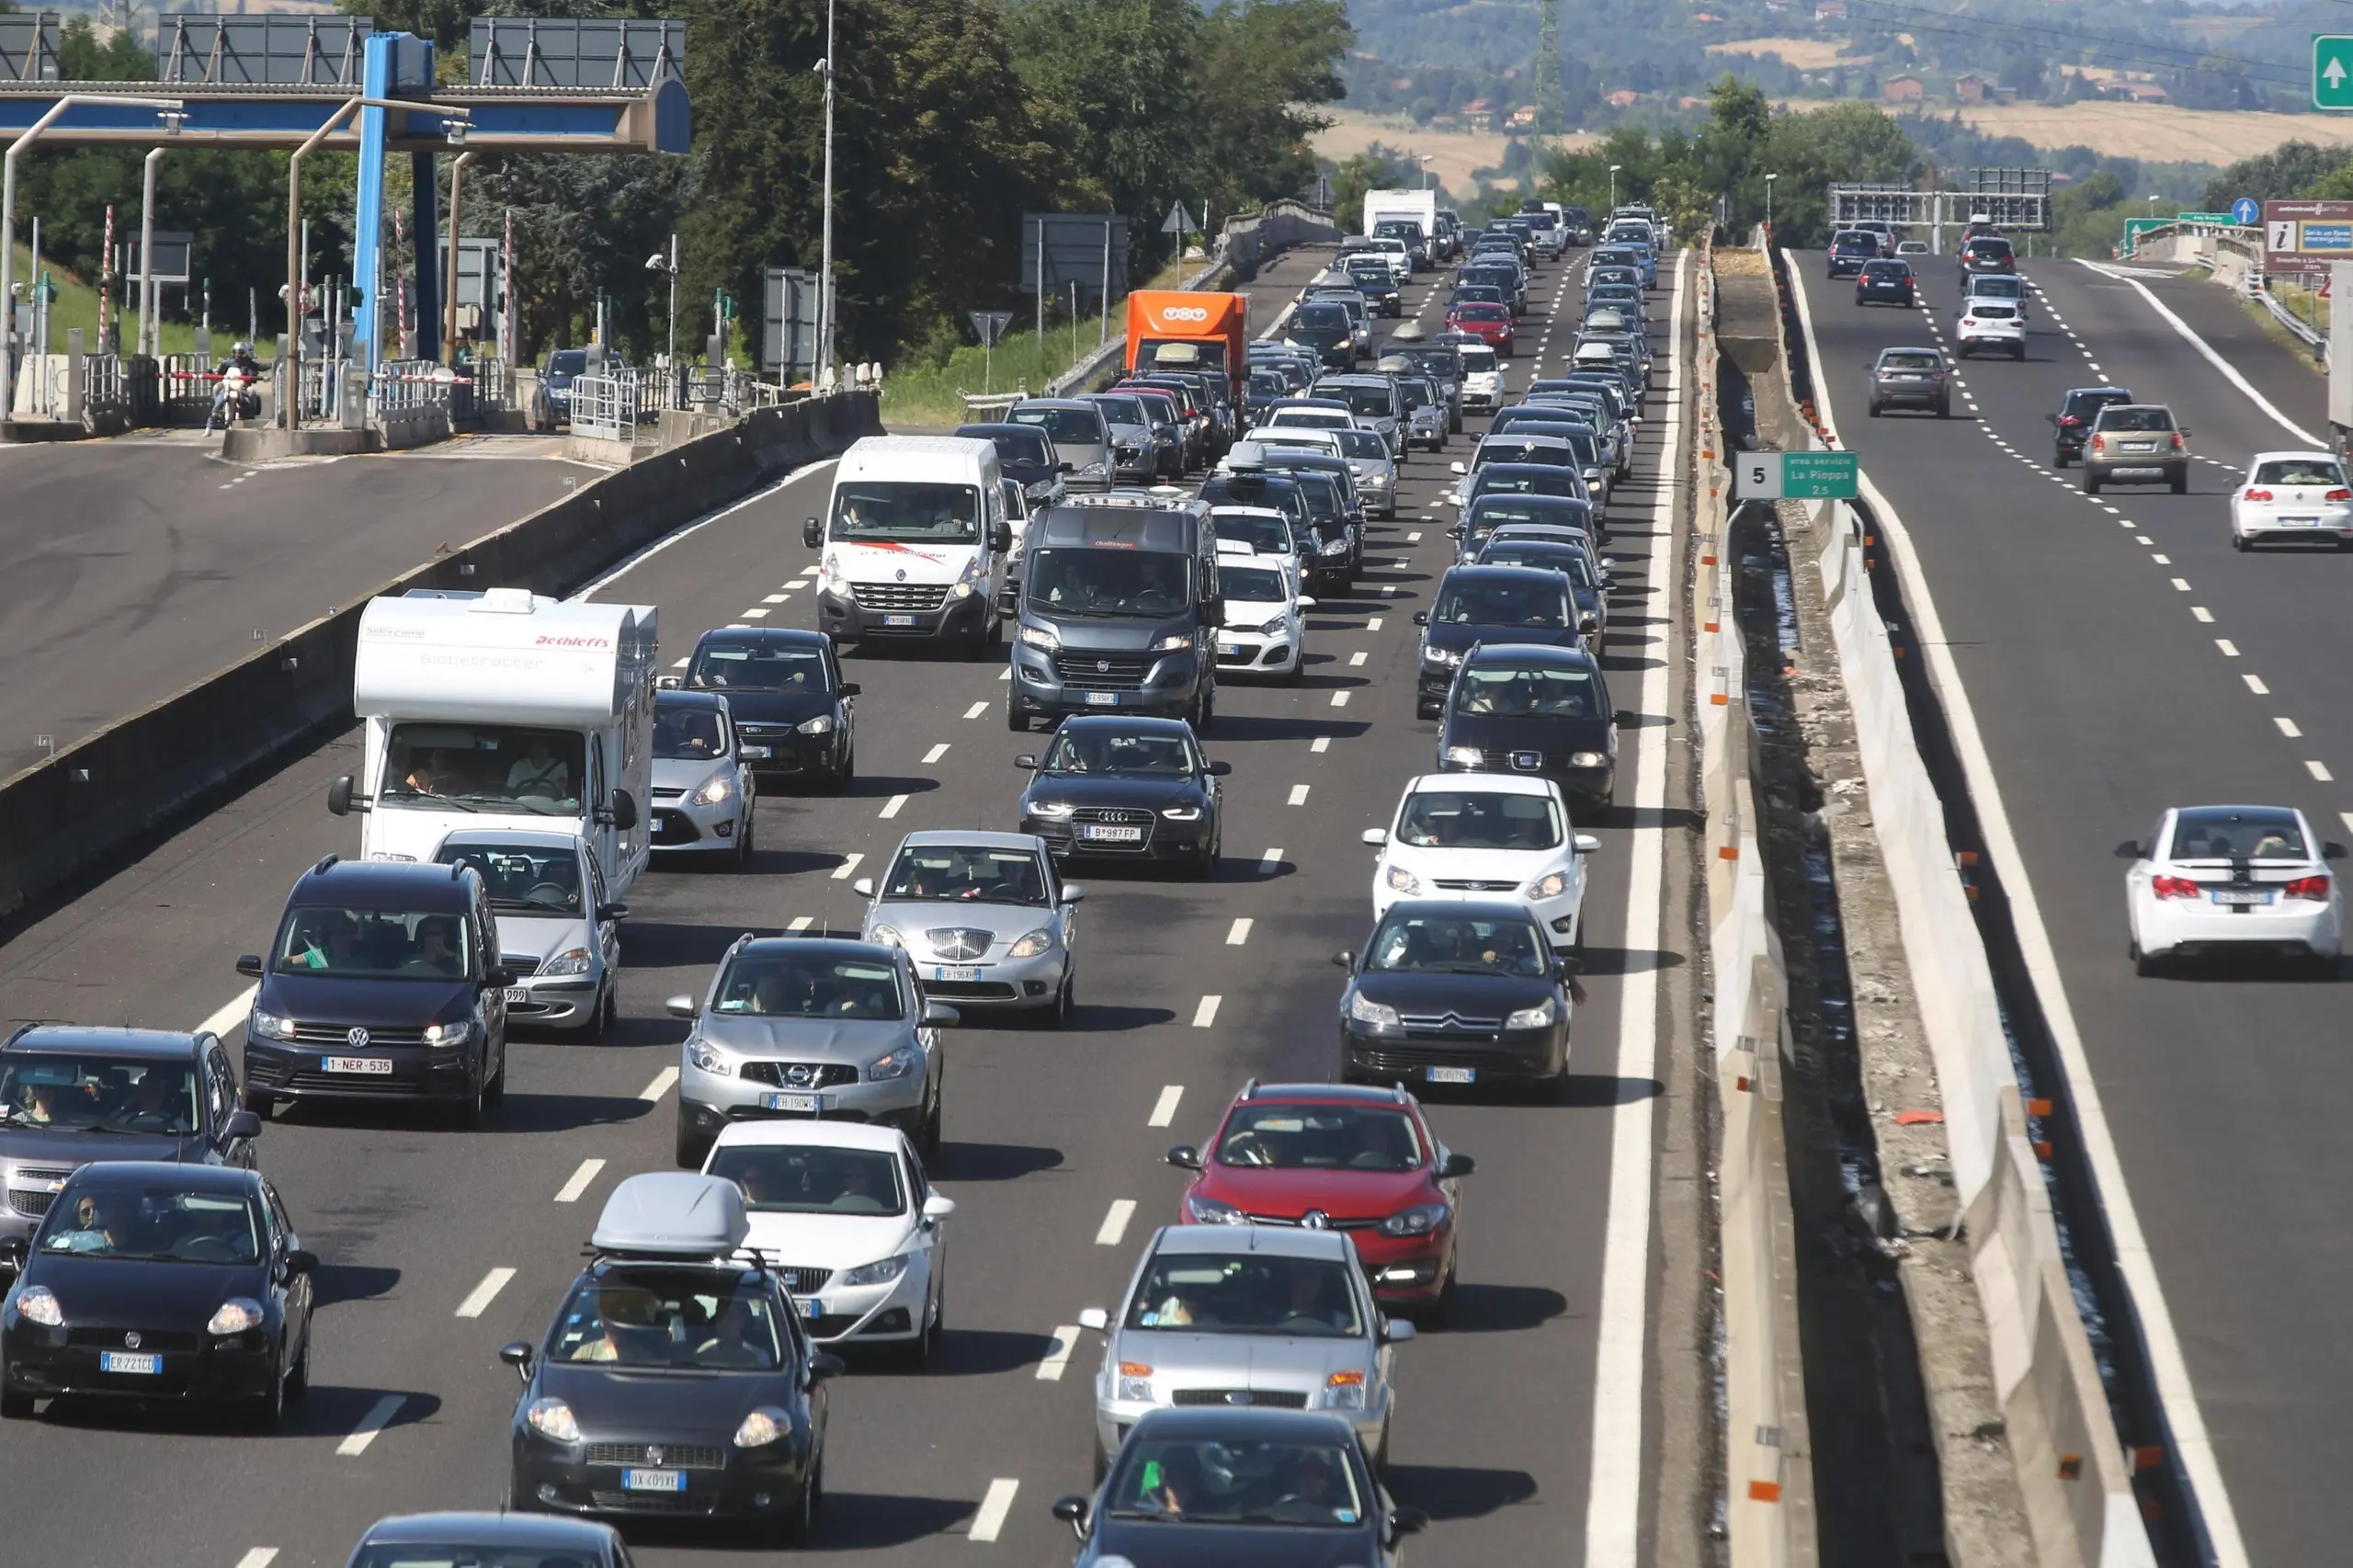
{"points": [[2293, 168]]}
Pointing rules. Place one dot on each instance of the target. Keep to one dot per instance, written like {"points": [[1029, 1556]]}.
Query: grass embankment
{"points": [[77, 305]]}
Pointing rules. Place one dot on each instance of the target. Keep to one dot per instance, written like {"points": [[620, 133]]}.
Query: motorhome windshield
{"points": [[483, 767], [888, 509], [1109, 582]]}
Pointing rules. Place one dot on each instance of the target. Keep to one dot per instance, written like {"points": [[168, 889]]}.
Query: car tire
{"points": [[1944, 408], [1203, 868], [691, 1148], [2239, 543], [2180, 482], [742, 856], [1874, 407], [2059, 458], [927, 1138], [1297, 671], [1015, 720], [795, 1528], [600, 1026], [298, 1377], [494, 1091], [2091, 481], [1057, 1014], [261, 1105], [16, 1405], [1425, 709], [465, 1115], [266, 1412]]}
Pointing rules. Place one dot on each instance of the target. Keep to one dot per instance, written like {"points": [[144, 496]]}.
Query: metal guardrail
{"points": [[604, 408]]}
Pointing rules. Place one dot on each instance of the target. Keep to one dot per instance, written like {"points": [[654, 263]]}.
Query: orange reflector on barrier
{"points": [[2037, 1108], [2148, 1455], [2071, 1466], [1764, 1491], [2043, 1148], [1728, 852]]}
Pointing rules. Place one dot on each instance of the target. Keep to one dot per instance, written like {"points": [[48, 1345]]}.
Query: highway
{"points": [[2120, 658], [440, 1245], [142, 564]]}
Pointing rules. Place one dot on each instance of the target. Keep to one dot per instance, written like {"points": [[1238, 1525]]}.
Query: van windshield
{"points": [[475, 768], [373, 944], [886, 509], [1109, 582]]}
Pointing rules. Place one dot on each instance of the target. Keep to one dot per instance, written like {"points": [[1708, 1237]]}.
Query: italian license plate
{"points": [[145, 1366], [951, 971], [1102, 699], [2140, 445], [376, 1066], [517, 994], [809, 1306], [808, 1105], [898, 620], [653, 1480], [1229, 650], [758, 754], [2239, 895], [2299, 522], [1452, 1074], [1096, 833]]}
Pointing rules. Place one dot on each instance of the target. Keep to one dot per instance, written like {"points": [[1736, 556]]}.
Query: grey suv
{"points": [[1911, 378], [2136, 443]]}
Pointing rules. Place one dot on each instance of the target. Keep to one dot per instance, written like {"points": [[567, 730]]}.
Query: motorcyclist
{"points": [[238, 394]]}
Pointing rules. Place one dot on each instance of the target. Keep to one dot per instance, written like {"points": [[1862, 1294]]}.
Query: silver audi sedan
{"points": [[984, 919], [1254, 1315]]}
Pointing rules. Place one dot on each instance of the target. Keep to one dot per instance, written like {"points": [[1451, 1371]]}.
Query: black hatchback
{"points": [[488, 1540], [795, 717], [1455, 992], [1884, 283], [2079, 411], [1528, 708], [1132, 788]]}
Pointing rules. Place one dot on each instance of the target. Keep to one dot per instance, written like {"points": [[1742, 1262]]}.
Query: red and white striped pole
{"points": [[400, 283], [507, 288], [106, 280]]}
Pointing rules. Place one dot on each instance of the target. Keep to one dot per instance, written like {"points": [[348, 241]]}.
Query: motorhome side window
{"points": [[507, 768], [888, 509], [1109, 582]]}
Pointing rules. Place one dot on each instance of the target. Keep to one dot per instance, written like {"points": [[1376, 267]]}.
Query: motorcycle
{"points": [[237, 397]]}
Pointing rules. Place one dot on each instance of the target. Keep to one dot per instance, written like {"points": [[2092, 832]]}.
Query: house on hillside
{"points": [[1829, 10], [1901, 90], [1478, 108], [1624, 98], [1972, 88], [2143, 92], [1521, 119]]}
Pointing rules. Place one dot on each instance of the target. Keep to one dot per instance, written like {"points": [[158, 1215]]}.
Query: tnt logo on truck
{"points": [[1185, 313]]}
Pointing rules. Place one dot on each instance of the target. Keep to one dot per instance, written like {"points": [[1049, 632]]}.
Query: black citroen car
{"points": [[1532, 707], [1459, 993], [382, 983], [1476, 605], [795, 717], [676, 1381], [1127, 787], [170, 1283]]}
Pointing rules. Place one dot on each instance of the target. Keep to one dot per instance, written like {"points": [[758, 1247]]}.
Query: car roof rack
{"points": [[679, 1216], [1250, 1090], [324, 863]]}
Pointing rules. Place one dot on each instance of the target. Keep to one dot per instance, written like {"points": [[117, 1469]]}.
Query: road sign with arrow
{"points": [[2332, 71]]}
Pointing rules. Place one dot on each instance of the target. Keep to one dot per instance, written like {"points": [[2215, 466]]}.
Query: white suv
{"points": [[1486, 836], [1998, 325]]}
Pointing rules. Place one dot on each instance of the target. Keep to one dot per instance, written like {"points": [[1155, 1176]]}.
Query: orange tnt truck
{"points": [[1179, 330]]}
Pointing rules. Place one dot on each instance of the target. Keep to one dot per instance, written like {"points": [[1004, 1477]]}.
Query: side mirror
{"points": [[812, 533], [863, 887], [1213, 612], [1407, 1521], [1306, 603], [2332, 851], [241, 1124], [1421, 618], [13, 1250], [823, 1368], [848, 689], [1027, 762], [1569, 963], [1396, 1331], [939, 1206], [2183, 434], [1065, 467], [1185, 1157], [1344, 960], [249, 965], [940, 1015], [1456, 1165], [667, 683], [496, 979], [624, 811], [1000, 535], [1221, 770], [1094, 1318], [681, 1007], [1456, 467], [1454, 531], [2128, 850], [339, 796], [1584, 844], [1072, 1511], [612, 911], [1073, 892], [301, 1262], [1376, 836], [518, 1355]]}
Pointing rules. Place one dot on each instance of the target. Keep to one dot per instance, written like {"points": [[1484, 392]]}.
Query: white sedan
{"points": [[1486, 836], [841, 1212], [2291, 496], [2233, 880]]}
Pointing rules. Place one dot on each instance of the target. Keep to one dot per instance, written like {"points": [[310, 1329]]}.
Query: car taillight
{"points": [[2257, 496], [2173, 887], [2099, 441], [2338, 495], [2069, 419], [2176, 440], [2307, 886]]}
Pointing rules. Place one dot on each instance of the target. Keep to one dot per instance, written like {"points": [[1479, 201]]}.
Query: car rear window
{"points": [[1920, 361], [2225, 832], [1987, 309], [1993, 249], [2126, 417], [2299, 471], [1887, 269]]}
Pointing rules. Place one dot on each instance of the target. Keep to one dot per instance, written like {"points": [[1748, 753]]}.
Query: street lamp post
{"points": [[449, 294], [168, 108], [1613, 185], [1427, 161], [825, 264], [1769, 206], [657, 262]]}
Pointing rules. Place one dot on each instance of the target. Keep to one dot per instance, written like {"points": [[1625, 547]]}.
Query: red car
{"points": [[1334, 1156], [1491, 324]]}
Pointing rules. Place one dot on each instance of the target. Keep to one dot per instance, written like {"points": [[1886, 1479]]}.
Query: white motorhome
{"points": [[915, 539], [503, 708], [1418, 208]]}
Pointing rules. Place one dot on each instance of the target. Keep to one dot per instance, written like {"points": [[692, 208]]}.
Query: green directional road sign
{"points": [[2332, 71], [1795, 476]]}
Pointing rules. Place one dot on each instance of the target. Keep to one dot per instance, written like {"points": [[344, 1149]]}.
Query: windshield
{"points": [[1550, 452], [1262, 534], [1252, 584], [1312, 418], [1275, 492], [1996, 288], [1253, 1293], [1474, 311], [1365, 400], [1267, 383], [1908, 362], [787, 1178], [1548, 692], [525, 880], [1520, 479], [2135, 419], [1121, 409], [450, 1554], [568, 362], [2210, 833], [1325, 502], [373, 944], [98, 1094], [886, 509], [687, 1318], [1320, 1137], [687, 733], [1025, 448], [1433, 942], [1499, 602], [1362, 444], [502, 767], [1887, 269], [1182, 1482], [1475, 360], [1092, 749], [1323, 316], [955, 873], [148, 1223], [756, 665], [1470, 819], [1110, 583], [769, 983], [1562, 558], [1415, 393], [1490, 513]]}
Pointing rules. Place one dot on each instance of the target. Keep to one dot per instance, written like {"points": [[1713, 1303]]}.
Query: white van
{"points": [[502, 709], [915, 539]]}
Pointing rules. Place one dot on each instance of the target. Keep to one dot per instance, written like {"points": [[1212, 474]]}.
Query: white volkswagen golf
{"points": [[2291, 496], [1486, 836], [842, 1214], [2217, 880]]}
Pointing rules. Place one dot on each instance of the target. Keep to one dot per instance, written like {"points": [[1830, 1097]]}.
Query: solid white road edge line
{"points": [[230, 1013], [995, 1506], [479, 1298], [651, 1094], [2175, 1392], [2229, 372], [1613, 1494], [666, 541]]}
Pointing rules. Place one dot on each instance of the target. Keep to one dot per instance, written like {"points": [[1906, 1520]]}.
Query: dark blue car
{"points": [[1884, 283]]}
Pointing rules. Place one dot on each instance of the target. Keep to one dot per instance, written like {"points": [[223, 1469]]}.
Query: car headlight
{"points": [[704, 1058], [577, 961], [1465, 757], [716, 789], [553, 1418], [1040, 637], [1593, 486], [1343, 1391], [37, 1304], [1135, 1383], [1334, 547], [1057, 809], [269, 1025], [878, 1273], [888, 936], [1181, 813], [1378, 1015], [449, 1034], [1586, 759], [960, 591], [1403, 881], [823, 724], [1450, 657], [897, 1063], [1096, 469], [1029, 946], [762, 1426], [1173, 642], [237, 1314], [1418, 1221], [1209, 1211], [1534, 1017], [1549, 886]]}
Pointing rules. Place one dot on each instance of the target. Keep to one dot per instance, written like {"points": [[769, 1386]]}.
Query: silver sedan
{"points": [[984, 919]]}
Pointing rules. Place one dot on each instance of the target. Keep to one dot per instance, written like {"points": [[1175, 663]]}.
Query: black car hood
{"points": [[778, 707], [1028, 474], [1478, 996], [702, 1407], [382, 1003], [1150, 1543], [1095, 789], [1496, 732], [100, 1293], [1461, 634]]}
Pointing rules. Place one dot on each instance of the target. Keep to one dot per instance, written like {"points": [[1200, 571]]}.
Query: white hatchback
{"points": [[2233, 880], [2289, 496], [1266, 625], [1988, 325], [1486, 836], [841, 1212]]}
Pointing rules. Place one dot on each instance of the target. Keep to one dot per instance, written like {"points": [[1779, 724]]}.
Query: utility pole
{"points": [[826, 273], [1548, 65]]}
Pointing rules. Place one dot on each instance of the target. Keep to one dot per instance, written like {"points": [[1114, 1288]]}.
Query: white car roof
{"points": [[810, 1134], [1487, 783]]}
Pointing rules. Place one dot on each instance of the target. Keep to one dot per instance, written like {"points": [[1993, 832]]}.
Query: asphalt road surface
{"points": [[439, 1246], [2120, 659]]}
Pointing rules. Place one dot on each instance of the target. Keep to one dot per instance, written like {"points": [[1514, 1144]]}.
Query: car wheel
{"points": [[927, 1133], [1874, 408], [1425, 709], [261, 1105], [2143, 964], [743, 844], [298, 1381], [691, 1146], [1205, 865], [493, 1092], [1944, 408], [465, 1115], [2180, 482], [18, 1405], [796, 1523], [1056, 1014], [1297, 671], [1015, 720], [2238, 542], [266, 1412], [2091, 481], [2059, 458]]}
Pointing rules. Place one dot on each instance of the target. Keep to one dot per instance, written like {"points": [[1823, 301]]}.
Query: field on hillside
{"points": [[1805, 53], [1453, 153], [2158, 133]]}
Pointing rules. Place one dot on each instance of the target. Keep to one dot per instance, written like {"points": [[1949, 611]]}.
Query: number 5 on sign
{"points": [[1756, 476]]}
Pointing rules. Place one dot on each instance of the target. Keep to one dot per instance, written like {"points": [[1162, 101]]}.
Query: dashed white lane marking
{"points": [[1006, 673], [2198, 612], [1299, 793], [2144, 538], [571, 1190], [758, 612], [2346, 818], [2320, 772], [935, 753], [678, 664], [1206, 1014], [891, 807], [995, 1506], [1271, 861], [2181, 584], [230, 1013], [1339, 699], [2160, 559], [481, 1295], [258, 1557], [1239, 932], [379, 1416], [1414, 538], [1163, 1109], [799, 924], [2255, 684], [2230, 649], [773, 599], [976, 710], [2288, 728], [1374, 624], [811, 571], [652, 1092], [1355, 659], [1388, 589], [1115, 1223], [1065, 1340], [849, 864]]}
